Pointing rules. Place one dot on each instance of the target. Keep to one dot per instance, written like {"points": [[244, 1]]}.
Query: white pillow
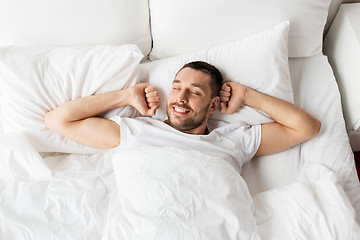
{"points": [[1, 114], [180, 27], [36, 80], [73, 23], [259, 61]]}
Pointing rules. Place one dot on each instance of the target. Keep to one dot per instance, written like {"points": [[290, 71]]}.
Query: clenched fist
{"points": [[145, 99], [232, 97]]}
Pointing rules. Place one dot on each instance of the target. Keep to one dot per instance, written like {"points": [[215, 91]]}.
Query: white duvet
{"points": [[158, 193]]}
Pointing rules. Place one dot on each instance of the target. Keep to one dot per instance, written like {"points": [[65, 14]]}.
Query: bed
{"points": [[52, 188]]}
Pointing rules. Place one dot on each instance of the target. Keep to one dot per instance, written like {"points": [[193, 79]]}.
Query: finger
{"points": [[223, 107], [152, 111], [151, 94], [226, 87], [150, 105], [224, 93], [149, 89], [224, 99], [153, 100]]}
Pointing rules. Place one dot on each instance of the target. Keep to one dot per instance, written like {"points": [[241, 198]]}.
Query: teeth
{"points": [[180, 110]]}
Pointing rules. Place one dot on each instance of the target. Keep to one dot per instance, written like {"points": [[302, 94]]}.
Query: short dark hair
{"points": [[215, 74]]}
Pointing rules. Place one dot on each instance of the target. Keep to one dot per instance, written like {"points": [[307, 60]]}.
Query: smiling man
{"points": [[193, 97], [197, 91]]}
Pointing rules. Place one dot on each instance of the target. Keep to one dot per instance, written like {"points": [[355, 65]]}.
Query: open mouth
{"points": [[180, 111]]}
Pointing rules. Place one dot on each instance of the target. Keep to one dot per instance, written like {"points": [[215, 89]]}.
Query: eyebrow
{"points": [[192, 84]]}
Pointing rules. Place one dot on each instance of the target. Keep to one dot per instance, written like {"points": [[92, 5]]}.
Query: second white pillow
{"points": [[259, 61]]}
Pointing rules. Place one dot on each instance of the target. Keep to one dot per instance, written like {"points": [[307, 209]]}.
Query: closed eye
{"points": [[195, 93]]}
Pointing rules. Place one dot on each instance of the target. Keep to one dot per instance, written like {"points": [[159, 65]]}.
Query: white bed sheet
{"points": [[69, 196]]}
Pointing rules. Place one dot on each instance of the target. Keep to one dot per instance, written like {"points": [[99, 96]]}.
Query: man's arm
{"points": [[292, 124], [77, 119]]}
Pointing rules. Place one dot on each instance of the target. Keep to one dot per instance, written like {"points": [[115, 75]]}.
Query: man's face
{"points": [[189, 102]]}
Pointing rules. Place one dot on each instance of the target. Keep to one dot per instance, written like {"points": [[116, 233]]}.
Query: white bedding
{"points": [[147, 195], [315, 90], [73, 196]]}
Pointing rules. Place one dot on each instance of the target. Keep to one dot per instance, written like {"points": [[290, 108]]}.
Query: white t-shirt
{"points": [[234, 142]]}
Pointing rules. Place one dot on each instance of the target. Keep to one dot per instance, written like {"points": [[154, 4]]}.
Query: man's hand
{"points": [[232, 97], [145, 99]]}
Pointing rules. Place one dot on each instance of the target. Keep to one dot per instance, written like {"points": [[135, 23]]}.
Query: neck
{"points": [[201, 130]]}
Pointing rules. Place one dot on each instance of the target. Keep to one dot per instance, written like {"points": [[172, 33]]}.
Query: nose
{"points": [[183, 97]]}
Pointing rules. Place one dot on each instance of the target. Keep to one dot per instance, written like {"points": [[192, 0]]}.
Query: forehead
{"points": [[193, 77]]}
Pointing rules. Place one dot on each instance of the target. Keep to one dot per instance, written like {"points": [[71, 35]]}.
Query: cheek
{"points": [[172, 95], [170, 99], [200, 104]]}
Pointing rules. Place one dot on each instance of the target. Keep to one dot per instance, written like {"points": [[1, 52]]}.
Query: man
{"points": [[194, 96]]}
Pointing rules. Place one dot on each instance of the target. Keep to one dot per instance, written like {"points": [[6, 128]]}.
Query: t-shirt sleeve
{"points": [[249, 138], [129, 128]]}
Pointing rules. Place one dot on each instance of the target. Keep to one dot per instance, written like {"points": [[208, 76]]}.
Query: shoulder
{"points": [[137, 122], [226, 126], [237, 130]]}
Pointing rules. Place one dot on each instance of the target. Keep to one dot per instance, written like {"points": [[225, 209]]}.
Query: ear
{"points": [[215, 102]]}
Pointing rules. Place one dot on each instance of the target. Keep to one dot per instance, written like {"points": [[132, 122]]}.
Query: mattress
{"points": [[74, 196]]}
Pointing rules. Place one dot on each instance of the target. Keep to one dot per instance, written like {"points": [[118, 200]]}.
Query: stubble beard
{"points": [[188, 123]]}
